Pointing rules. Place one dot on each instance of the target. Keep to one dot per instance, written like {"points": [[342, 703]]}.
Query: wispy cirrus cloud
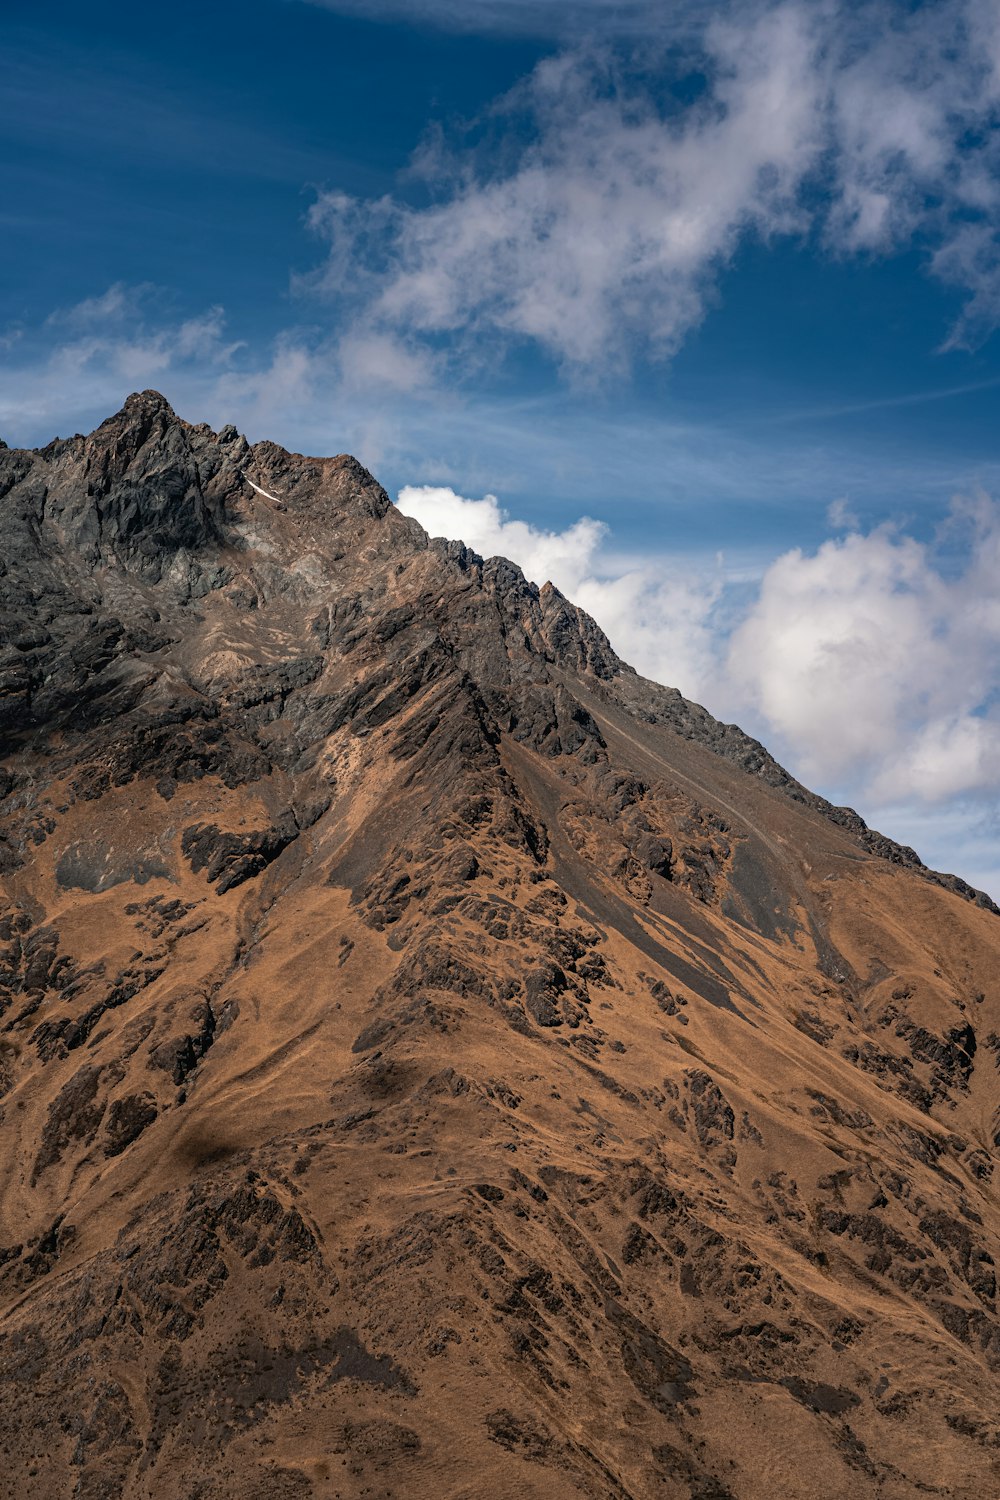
{"points": [[617, 188], [535, 18], [90, 354], [614, 217]]}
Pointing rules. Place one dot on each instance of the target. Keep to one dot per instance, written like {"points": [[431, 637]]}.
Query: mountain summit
{"points": [[435, 1060]]}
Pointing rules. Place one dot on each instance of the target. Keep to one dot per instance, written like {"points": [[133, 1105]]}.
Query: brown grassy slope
{"points": [[425, 1072]]}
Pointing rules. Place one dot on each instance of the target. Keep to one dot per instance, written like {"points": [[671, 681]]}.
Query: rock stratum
{"points": [[436, 1061]]}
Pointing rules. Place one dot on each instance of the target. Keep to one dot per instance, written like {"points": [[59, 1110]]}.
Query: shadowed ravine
{"points": [[436, 1061]]}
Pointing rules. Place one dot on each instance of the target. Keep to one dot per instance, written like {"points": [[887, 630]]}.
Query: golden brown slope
{"points": [[425, 1071]]}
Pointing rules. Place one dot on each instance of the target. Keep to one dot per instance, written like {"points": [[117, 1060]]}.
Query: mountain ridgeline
{"points": [[435, 1060]]}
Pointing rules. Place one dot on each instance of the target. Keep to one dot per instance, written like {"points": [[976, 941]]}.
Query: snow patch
{"points": [[264, 493]]}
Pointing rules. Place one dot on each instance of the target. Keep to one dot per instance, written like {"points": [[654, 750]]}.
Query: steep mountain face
{"points": [[435, 1060]]}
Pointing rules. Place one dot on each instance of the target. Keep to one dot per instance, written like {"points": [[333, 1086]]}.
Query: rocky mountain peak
{"points": [[144, 407], [401, 996]]}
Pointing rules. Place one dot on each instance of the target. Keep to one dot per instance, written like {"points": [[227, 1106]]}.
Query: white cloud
{"points": [[565, 558], [614, 216], [840, 515], [380, 360], [876, 660], [113, 307], [970, 259], [275, 388], [105, 347], [599, 228], [542, 18], [826, 653]]}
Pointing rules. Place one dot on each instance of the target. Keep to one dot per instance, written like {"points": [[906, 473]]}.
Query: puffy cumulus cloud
{"points": [[565, 558], [659, 616], [598, 222], [826, 653], [876, 661]]}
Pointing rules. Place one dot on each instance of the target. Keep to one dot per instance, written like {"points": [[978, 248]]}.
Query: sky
{"points": [[692, 308]]}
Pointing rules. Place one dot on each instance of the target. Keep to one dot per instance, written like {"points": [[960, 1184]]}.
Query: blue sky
{"points": [[725, 283]]}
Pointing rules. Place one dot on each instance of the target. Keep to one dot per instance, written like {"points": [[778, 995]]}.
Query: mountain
{"points": [[436, 1061]]}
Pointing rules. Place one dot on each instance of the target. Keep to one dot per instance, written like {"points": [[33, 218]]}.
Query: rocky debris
{"points": [[89, 866], [655, 855], [552, 722], [31, 964], [952, 1057], [127, 1119], [57, 1037], [229, 859], [666, 706], [821, 1031], [542, 991], [519, 1435], [820, 1397], [180, 1054], [21, 1265], [674, 1464], [641, 834], [160, 914], [915, 1264], [713, 1114], [75, 1114], [659, 1372], [891, 1072], [378, 1444], [172, 749], [703, 853]]}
